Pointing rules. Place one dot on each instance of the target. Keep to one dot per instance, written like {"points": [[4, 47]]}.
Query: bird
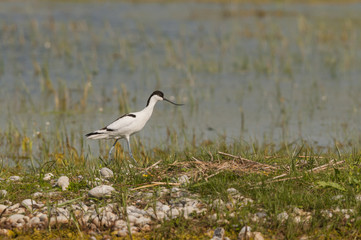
{"points": [[129, 124]]}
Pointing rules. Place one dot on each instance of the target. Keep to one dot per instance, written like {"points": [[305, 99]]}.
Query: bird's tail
{"points": [[99, 134]]}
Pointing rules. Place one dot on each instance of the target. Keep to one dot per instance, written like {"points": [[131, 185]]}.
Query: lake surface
{"points": [[266, 73]]}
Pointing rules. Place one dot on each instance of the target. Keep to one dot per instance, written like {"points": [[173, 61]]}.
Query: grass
{"points": [[251, 87], [310, 191]]}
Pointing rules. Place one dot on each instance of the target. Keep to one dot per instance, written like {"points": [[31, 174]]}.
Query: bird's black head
{"points": [[158, 93], [161, 95]]}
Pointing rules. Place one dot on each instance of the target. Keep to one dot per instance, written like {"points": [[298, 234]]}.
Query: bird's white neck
{"points": [[149, 108], [152, 103]]}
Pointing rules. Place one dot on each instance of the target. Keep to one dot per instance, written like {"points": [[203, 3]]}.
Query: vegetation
{"points": [[272, 110]]}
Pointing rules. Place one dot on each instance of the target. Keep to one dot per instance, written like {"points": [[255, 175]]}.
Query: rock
{"points": [[58, 220], [218, 234], [106, 173], [37, 194], [297, 219], [257, 236], [232, 191], [247, 201], [261, 214], [34, 222], [29, 203], [245, 229], [20, 210], [134, 209], [121, 233], [134, 229], [48, 176], [3, 193], [184, 179], [120, 224], [43, 217], [14, 178], [188, 210], [175, 189], [7, 233], [63, 182], [60, 211], [161, 215], [327, 214], [14, 207], [164, 208], [101, 191], [282, 217], [218, 203], [16, 219], [245, 236], [142, 221], [3, 208], [173, 213], [337, 197]]}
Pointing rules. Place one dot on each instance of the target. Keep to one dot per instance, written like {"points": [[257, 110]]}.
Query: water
{"points": [[272, 72]]}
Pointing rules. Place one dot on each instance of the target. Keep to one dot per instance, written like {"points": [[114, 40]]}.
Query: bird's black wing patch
{"points": [[125, 115], [108, 129], [91, 134], [131, 115]]}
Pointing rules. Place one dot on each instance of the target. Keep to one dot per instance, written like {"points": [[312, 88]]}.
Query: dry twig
{"points": [[314, 170], [153, 184]]}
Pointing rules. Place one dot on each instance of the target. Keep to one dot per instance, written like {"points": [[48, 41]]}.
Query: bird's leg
{"points": [[111, 149], [130, 151]]}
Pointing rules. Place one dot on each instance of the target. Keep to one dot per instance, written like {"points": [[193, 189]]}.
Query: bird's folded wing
{"points": [[121, 122]]}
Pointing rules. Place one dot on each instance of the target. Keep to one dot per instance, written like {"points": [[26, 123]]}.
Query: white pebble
{"points": [[34, 222], [161, 215], [43, 218], [142, 221], [58, 220], [3, 193], [218, 203], [120, 224], [164, 208], [184, 179], [232, 191], [245, 229], [188, 210], [6, 232], [14, 207], [63, 182], [14, 178], [258, 236], [48, 176], [106, 173], [15, 219], [122, 233], [2, 208], [37, 194], [29, 203], [218, 233], [101, 191], [173, 213], [283, 216]]}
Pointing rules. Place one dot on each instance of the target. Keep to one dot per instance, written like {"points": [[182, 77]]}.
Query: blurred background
{"points": [[266, 72]]}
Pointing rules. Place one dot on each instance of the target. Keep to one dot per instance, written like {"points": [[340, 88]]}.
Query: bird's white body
{"points": [[128, 124]]}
